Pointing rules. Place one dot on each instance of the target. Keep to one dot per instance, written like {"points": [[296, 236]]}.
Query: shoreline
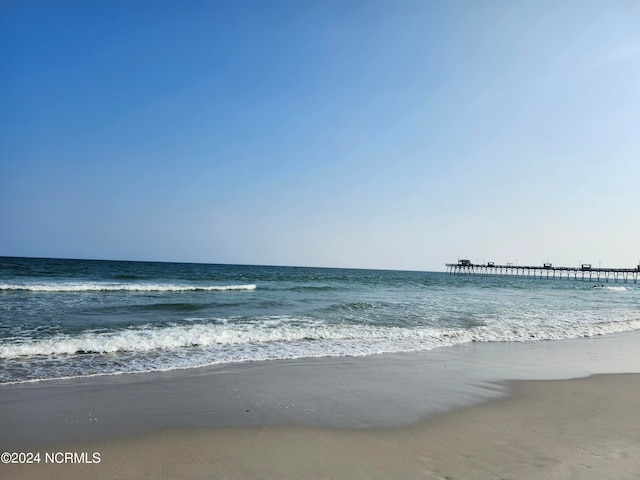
{"points": [[331, 405]]}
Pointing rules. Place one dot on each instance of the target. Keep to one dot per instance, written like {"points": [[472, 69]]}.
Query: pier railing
{"points": [[548, 271]]}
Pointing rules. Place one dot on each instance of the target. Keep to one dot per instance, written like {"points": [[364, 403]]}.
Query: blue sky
{"points": [[370, 134]]}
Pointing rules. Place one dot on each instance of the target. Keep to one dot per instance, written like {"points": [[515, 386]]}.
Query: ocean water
{"points": [[74, 318]]}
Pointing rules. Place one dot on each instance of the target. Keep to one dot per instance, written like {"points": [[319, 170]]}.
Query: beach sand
{"points": [[454, 413]]}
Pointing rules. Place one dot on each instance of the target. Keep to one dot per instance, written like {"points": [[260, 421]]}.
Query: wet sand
{"points": [[473, 411]]}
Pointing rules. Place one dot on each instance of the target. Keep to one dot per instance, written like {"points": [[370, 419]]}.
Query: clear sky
{"points": [[375, 134]]}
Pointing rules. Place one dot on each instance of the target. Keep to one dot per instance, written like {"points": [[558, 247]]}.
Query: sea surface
{"points": [[75, 318]]}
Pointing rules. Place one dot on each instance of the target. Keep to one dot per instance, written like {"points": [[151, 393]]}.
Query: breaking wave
{"points": [[182, 346], [120, 287]]}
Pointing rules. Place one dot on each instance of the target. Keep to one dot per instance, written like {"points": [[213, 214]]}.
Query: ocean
{"points": [[77, 318]]}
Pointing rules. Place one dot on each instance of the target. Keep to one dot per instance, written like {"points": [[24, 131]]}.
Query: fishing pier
{"points": [[584, 272]]}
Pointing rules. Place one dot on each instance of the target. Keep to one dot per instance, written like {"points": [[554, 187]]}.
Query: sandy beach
{"points": [[566, 409]]}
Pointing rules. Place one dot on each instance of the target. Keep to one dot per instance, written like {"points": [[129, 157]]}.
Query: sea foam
{"points": [[286, 331], [61, 287]]}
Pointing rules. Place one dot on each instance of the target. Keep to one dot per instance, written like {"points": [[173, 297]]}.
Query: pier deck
{"points": [[583, 272]]}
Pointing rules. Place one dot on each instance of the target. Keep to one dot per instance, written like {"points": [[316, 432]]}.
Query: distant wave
{"points": [[314, 288], [120, 287]]}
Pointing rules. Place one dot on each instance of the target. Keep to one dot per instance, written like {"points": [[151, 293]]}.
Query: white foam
{"points": [[287, 331], [190, 346], [120, 287]]}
